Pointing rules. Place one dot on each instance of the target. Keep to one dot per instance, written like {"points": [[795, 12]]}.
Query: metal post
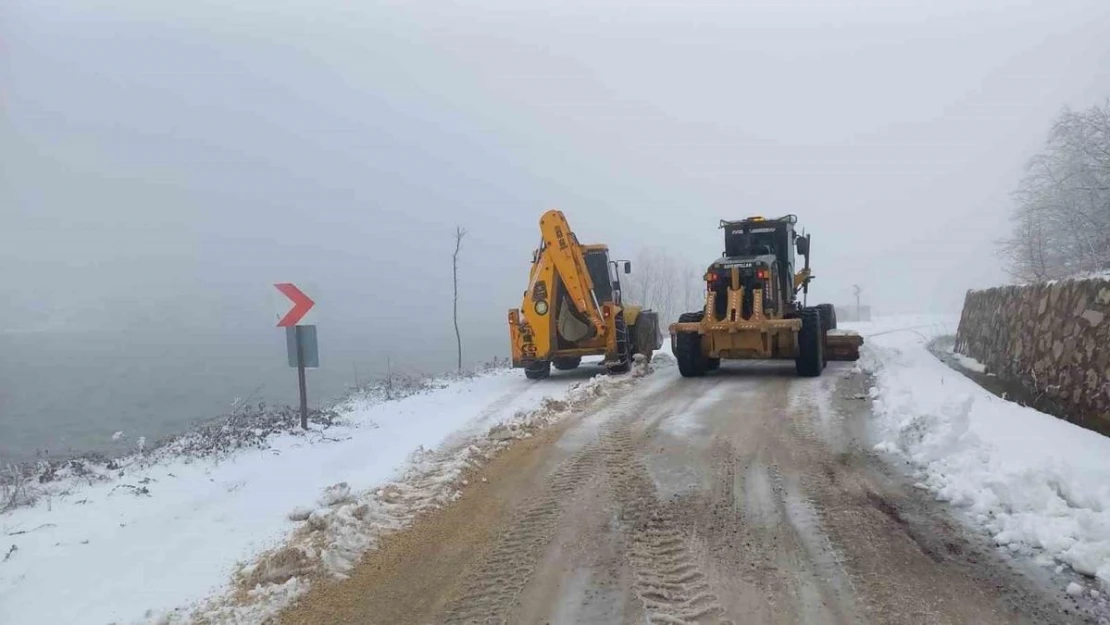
{"points": [[300, 378]]}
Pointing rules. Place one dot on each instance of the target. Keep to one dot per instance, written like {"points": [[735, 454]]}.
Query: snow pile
{"points": [[1036, 483], [253, 525], [969, 363]]}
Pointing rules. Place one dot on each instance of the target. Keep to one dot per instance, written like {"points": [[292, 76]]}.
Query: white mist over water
{"points": [[70, 392]]}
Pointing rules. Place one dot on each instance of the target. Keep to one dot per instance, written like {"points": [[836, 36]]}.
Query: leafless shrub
{"points": [[18, 487], [250, 425]]}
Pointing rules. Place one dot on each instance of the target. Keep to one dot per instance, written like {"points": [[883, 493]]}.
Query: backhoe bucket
{"points": [[843, 345]]}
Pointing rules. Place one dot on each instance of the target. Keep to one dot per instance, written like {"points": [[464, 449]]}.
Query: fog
{"points": [[163, 163]]}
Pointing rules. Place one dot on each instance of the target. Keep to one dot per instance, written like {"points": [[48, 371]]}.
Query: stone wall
{"points": [[1051, 339]]}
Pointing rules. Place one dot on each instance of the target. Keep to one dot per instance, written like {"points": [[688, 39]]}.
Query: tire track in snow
{"points": [[667, 576], [493, 590]]}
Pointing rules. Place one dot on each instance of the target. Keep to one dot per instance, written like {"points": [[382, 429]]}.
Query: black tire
{"points": [[624, 346], [692, 363], [634, 346], [828, 316], [692, 317], [538, 370], [566, 363], [824, 351], [811, 346], [644, 334]]}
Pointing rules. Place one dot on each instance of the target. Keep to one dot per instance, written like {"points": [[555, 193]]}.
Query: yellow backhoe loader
{"points": [[755, 305], [572, 308]]}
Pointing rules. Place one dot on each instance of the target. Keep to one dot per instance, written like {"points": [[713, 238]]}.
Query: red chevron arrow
{"points": [[301, 304]]}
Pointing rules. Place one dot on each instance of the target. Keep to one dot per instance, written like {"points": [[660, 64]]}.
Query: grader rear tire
{"points": [[692, 363], [811, 345], [828, 316]]}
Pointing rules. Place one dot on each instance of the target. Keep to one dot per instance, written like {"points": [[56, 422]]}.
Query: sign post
{"points": [[300, 338], [300, 378]]}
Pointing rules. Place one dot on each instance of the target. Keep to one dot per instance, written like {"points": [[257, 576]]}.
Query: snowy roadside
{"points": [[1035, 483], [233, 538]]}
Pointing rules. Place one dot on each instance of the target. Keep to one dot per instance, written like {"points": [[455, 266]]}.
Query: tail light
{"points": [[761, 274]]}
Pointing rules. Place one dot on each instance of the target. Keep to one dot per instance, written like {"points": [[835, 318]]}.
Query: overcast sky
{"points": [[167, 161]]}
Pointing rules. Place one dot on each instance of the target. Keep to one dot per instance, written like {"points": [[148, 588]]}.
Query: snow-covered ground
{"points": [[176, 537], [1036, 483]]}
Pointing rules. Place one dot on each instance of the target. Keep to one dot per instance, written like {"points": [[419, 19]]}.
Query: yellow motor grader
{"points": [[572, 308], [755, 305]]}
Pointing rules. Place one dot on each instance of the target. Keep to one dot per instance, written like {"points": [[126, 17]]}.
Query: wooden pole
{"points": [[459, 233]]}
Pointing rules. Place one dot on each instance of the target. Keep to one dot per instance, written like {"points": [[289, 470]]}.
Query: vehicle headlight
{"points": [[541, 307]]}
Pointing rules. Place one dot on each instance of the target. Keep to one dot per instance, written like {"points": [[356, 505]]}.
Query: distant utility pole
{"points": [[857, 290], [459, 234]]}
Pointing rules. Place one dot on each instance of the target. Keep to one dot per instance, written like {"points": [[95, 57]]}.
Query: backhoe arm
{"points": [[565, 254]]}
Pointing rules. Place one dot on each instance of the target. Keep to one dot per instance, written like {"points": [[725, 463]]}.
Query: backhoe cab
{"points": [[573, 308], [752, 306]]}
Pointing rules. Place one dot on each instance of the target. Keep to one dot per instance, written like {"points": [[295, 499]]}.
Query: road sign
{"points": [[302, 304], [300, 335], [309, 352]]}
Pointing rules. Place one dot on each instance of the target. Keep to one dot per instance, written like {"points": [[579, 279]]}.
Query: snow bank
{"points": [[1079, 277], [234, 538], [1094, 275], [1036, 483]]}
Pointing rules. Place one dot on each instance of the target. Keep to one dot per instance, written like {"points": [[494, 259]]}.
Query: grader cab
{"points": [[755, 305]]}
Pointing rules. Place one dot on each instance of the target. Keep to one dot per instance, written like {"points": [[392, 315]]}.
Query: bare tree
{"points": [[459, 234], [663, 283], [1061, 221], [693, 289]]}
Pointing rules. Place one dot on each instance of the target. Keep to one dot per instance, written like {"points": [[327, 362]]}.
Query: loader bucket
{"points": [[843, 345]]}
